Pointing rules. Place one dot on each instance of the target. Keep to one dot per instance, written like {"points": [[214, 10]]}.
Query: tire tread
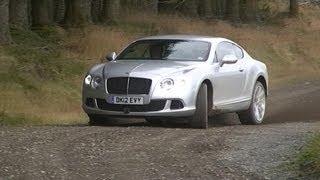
{"points": [[200, 117]]}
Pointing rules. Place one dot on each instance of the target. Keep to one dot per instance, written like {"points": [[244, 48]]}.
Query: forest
{"points": [[75, 13]]}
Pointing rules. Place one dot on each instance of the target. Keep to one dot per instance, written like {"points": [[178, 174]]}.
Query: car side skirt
{"points": [[233, 106]]}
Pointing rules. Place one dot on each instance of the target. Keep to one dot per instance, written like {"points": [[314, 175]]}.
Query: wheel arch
{"points": [[264, 82], [210, 92]]}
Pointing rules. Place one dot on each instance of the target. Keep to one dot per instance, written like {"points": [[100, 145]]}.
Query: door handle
{"points": [[241, 70]]}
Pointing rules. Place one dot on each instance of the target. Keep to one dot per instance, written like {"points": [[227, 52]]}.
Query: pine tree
{"points": [[4, 22], [78, 12], [294, 7], [40, 12], [19, 13]]}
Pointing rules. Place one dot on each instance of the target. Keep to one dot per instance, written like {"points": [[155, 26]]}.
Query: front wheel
{"points": [[200, 117], [255, 114]]}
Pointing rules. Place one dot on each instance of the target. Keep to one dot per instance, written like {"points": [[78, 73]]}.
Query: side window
{"points": [[238, 51], [224, 48]]}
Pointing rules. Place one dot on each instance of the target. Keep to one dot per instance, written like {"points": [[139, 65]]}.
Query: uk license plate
{"points": [[127, 100]]}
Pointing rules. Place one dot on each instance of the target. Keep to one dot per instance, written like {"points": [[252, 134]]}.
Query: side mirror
{"points": [[112, 56], [229, 59]]}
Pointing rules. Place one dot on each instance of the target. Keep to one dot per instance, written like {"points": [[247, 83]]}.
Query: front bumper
{"points": [[165, 112], [184, 93]]}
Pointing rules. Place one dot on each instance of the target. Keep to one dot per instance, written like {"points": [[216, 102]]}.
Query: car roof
{"points": [[186, 37]]}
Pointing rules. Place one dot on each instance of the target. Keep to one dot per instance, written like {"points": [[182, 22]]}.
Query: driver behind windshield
{"points": [[155, 51]]}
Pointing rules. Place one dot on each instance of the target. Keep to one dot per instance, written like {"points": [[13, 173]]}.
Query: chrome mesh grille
{"points": [[128, 85]]}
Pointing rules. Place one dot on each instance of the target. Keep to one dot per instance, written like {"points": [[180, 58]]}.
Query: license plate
{"points": [[127, 100]]}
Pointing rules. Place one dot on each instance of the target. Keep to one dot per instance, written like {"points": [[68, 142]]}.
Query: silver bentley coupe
{"points": [[177, 77]]}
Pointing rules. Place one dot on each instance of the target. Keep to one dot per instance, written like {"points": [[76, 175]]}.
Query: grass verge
{"points": [[39, 84], [308, 160]]}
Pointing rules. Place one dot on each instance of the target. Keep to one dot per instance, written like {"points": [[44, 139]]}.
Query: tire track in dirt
{"points": [[295, 103]]}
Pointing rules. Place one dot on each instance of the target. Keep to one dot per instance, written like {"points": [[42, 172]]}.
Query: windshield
{"points": [[171, 50]]}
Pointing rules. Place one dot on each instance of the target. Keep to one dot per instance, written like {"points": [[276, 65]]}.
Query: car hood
{"points": [[145, 68]]}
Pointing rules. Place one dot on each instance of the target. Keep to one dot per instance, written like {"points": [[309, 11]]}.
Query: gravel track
{"points": [[133, 149]]}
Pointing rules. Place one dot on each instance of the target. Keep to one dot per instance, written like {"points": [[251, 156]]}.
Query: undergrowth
{"points": [[308, 161]]}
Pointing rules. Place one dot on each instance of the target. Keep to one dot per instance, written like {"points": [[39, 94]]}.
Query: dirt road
{"points": [[136, 150]]}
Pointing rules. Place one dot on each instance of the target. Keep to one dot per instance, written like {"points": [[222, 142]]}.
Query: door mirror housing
{"points": [[112, 56], [229, 59]]}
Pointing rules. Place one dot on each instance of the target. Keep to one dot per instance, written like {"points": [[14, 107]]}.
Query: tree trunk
{"points": [[190, 8], [248, 10], [78, 12], [294, 7], [51, 7], [243, 8], [232, 10], [96, 10], [40, 10], [4, 22], [20, 13], [229, 9], [110, 10], [154, 6], [59, 11], [252, 10], [205, 8], [163, 6], [150, 6], [219, 8]]}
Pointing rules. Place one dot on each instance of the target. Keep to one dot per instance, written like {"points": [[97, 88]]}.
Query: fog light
{"points": [[176, 104]]}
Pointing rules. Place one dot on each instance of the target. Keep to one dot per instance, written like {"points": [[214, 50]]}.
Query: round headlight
{"points": [[96, 81], [167, 84], [87, 79]]}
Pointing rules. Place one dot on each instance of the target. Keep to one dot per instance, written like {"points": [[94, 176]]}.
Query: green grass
{"points": [[17, 119], [38, 83], [39, 52], [308, 160]]}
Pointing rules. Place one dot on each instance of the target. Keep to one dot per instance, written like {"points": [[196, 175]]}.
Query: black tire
{"points": [[200, 117], [247, 117], [154, 120], [95, 120]]}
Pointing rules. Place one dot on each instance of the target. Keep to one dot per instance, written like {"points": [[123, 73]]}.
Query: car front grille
{"points": [[117, 85], [154, 105], [128, 85]]}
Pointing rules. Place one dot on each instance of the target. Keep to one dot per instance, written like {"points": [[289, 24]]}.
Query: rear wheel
{"points": [[200, 117], [255, 114]]}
